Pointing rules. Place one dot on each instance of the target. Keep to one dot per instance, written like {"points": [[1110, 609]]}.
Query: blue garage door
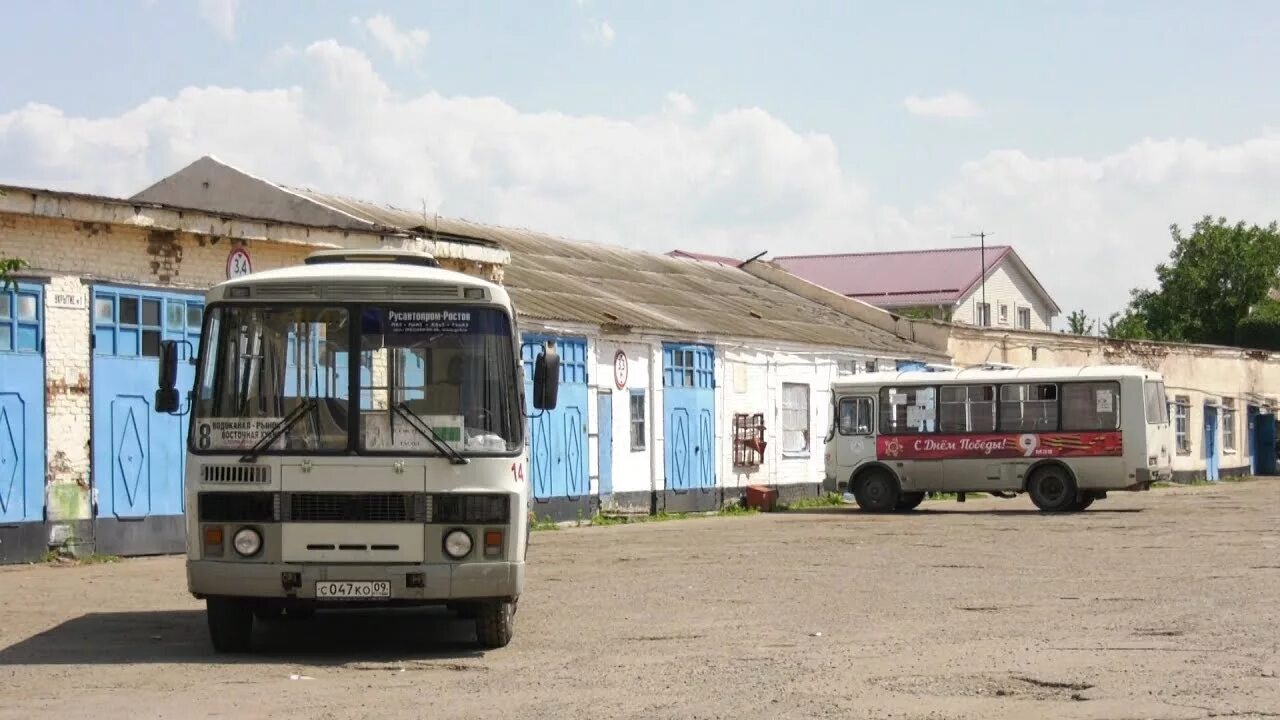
{"points": [[688, 381], [139, 456], [558, 438], [21, 404]]}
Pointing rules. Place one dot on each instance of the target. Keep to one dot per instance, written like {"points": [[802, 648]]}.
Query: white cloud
{"points": [[221, 14], [734, 182], [599, 33], [950, 104], [403, 45]]}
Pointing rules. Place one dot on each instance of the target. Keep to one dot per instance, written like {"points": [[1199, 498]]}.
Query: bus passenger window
{"points": [[1091, 406], [1029, 408], [908, 410], [967, 408]]}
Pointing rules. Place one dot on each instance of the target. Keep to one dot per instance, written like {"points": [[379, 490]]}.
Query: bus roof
{"points": [[985, 374], [311, 281]]}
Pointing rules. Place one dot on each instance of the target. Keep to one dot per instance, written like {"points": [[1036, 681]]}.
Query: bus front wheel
{"points": [[230, 624], [876, 491], [495, 623], [1052, 489]]}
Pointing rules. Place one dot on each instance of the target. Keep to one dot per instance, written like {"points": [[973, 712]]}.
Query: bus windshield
{"points": [[430, 380]]}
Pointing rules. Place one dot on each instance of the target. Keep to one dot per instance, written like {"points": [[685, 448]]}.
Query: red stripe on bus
{"points": [[999, 445]]}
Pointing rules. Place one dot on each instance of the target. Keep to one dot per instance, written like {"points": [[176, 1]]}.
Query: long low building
{"points": [[682, 381]]}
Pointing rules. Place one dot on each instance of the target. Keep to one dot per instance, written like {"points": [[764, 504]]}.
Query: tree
{"points": [[1126, 326], [1260, 330], [1214, 276], [1079, 324], [9, 266]]}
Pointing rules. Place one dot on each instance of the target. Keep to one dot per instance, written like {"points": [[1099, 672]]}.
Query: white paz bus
{"points": [[1065, 436], [356, 437]]}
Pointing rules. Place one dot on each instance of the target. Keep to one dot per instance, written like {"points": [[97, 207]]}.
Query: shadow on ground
{"points": [[181, 636], [956, 508]]}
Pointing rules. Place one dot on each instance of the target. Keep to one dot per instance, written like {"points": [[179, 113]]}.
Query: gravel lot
{"points": [[1157, 605]]}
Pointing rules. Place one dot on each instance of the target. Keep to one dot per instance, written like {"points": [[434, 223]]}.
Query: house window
{"points": [[637, 420], [1181, 423], [871, 366], [795, 418], [1004, 314], [1024, 318], [1229, 424], [984, 314]]}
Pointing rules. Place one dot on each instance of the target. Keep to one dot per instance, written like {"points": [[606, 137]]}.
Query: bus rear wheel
{"points": [[909, 501], [1053, 489], [876, 491]]}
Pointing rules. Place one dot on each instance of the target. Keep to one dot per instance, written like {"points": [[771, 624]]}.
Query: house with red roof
{"points": [[991, 287]]}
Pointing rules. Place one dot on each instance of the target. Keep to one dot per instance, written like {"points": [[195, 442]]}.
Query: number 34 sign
{"points": [[238, 264]]}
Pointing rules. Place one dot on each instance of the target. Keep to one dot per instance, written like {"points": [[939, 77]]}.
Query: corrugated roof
{"points": [[721, 259], [554, 279], [897, 279]]}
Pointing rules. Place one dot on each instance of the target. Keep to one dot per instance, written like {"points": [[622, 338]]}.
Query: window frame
{"points": [[968, 404], [1181, 413], [633, 421], [871, 424], [1002, 313], [807, 430], [1228, 421], [982, 314], [1024, 311], [1057, 403], [882, 418]]}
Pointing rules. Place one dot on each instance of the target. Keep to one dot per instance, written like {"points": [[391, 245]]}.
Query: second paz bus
{"points": [[1065, 436]]}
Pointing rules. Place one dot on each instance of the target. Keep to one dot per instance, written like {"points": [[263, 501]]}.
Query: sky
{"points": [[1077, 132]]}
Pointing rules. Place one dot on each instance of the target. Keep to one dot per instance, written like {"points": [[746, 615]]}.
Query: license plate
{"points": [[344, 590]]}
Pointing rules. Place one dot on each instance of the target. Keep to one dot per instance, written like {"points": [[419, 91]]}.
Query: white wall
{"points": [[1009, 286], [632, 470]]}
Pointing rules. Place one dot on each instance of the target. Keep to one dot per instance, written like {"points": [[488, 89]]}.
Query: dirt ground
{"points": [[1157, 605]]}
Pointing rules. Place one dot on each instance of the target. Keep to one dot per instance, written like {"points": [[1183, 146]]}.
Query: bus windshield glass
{"points": [[273, 370], [440, 376], [431, 380]]}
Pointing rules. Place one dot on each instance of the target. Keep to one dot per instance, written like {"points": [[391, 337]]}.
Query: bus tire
{"points": [[1052, 489], [230, 624], [909, 501], [876, 491], [495, 623]]}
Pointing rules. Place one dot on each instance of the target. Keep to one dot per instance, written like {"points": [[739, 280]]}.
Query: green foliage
{"points": [[1214, 276], [1126, 326], [1079, 324], [827, 500], [1260, 330], [9, 266]]}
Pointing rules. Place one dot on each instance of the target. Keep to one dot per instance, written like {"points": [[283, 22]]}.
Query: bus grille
{"points": [[237, 507], [472, 509], [236, 474], [355, 507]]}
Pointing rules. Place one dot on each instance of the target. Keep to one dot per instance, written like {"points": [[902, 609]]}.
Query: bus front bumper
{"points": [[429, 583]]}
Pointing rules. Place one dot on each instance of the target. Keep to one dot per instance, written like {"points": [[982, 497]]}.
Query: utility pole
{"points": [[982, 250]]}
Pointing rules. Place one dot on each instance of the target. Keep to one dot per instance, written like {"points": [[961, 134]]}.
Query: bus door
{"points": [[855, 433]]}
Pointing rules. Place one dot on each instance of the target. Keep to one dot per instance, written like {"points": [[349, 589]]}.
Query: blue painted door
{"points": [[1251, 439], [1211, 443], [1266, 443], [139, 455], [21, 404], [688, 381], [558, 438], [604, 441]]}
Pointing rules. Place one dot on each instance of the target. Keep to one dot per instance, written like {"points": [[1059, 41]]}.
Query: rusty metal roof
{"points": [[555, 279]]}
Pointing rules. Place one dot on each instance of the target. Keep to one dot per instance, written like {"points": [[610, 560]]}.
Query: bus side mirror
{"points": [[167, 398], [546, 380]]}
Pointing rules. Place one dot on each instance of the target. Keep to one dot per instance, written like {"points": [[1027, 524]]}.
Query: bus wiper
{"points": [[430, 434], [278, 429]]}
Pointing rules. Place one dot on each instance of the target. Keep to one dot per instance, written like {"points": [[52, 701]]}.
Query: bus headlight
{"points": [[457, 544], [247, 542]]}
